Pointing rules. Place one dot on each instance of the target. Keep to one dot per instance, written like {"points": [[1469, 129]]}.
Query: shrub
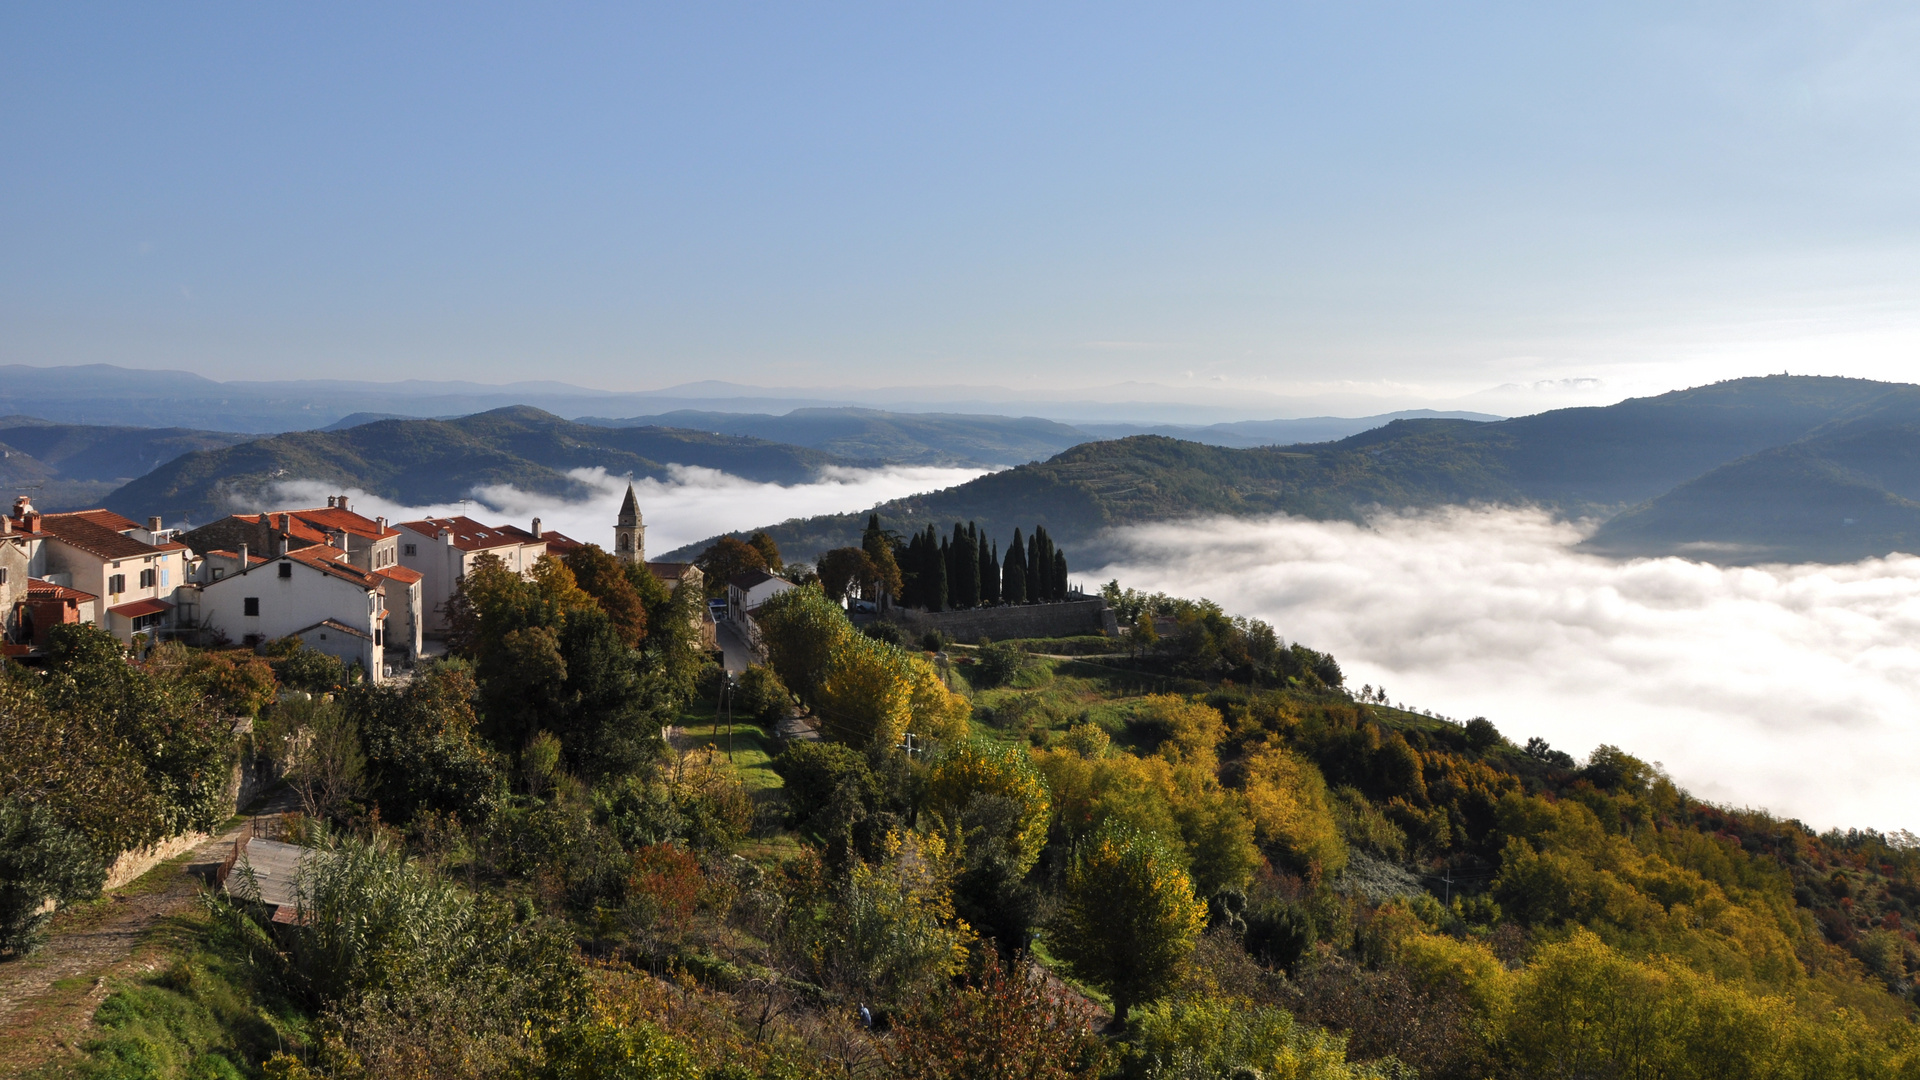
{"points": [[40, 860]]}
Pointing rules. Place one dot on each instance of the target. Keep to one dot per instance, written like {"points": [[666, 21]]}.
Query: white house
{"points": [[443, 550], [133, 569], [317, 595], [746, 592]]}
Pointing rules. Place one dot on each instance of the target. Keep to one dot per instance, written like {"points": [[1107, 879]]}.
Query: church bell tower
{"points": [[630, 534]]}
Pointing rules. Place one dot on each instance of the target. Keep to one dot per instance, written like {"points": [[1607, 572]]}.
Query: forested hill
{"points": [[429, 461], [67, 465], [1768, 468]]}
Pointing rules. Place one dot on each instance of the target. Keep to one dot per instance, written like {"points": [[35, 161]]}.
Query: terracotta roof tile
{"points": [[332, 517], [47, 590], [83, 532], [471, 535], [400, 574], [332, 561]]}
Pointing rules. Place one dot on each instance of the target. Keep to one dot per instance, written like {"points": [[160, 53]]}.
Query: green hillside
{"points": [[68, 465], [426, 461], [897, 438], [1857, 445]]}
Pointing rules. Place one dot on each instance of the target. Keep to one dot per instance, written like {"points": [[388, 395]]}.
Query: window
{"points": [[218, 573], [116, 583], [3, 575], [286, 569], [379, 636], [250, 606], [148, 578], [144, 623], [166, 578], [411, 550]]}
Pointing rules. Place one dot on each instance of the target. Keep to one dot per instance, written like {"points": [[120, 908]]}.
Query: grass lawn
{"points": [[752, 750]]}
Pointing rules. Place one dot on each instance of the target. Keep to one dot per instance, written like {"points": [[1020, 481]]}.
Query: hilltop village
{"points": [[368, 592]]}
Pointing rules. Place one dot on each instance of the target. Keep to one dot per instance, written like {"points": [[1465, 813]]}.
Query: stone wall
{"points": [[253, 774], [1065, 619]]}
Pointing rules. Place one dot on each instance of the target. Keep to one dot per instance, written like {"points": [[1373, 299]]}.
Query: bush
{"points": [[760, 695], [1482, 735], [40, 860], [997, 664], [301, 667]]}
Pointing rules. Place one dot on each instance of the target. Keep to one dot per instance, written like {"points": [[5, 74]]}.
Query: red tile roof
{"points": [[560, 543], [47, 590], [332, 517], [400, 574], [138, 608], [471, 535], [82, 531], [252, 559], [332, 561], [107, 519]]}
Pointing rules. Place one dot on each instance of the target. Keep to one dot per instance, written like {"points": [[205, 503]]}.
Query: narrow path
{"points": [[47, 999]]}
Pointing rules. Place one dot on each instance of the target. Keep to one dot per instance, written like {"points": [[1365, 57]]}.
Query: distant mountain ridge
{"points": [[1777, 468], [65, 465], [418, 462]]}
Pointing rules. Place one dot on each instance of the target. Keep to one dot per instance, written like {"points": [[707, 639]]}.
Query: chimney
{"points": [[343, 503], [330, 502], [153, 524], [536, 528], [6, 526], [446, 536], [243, 558], [382, 522]]}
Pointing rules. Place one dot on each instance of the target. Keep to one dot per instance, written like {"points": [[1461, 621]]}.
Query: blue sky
{"points": [[1412, 201]]}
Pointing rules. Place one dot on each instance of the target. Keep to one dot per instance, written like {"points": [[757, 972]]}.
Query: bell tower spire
{"points": [[630, 533]]}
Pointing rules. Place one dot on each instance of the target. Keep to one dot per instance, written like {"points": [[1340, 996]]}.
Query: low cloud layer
{"points": [[691, 504], [1795, 688]]}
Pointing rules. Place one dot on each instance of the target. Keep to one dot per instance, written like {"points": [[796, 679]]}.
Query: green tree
{"points": [[423, 748], [1129, 916], [844, 571], [604, 578], [769, 551], [41, 859], [1013, 572], [726, 558], [879, 545]]}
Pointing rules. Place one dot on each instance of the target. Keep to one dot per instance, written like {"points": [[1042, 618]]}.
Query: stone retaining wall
{"points": [[1065, 619]]}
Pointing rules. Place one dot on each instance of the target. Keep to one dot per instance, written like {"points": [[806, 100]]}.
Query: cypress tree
{"points": [[910, 576], [1013, 574], [938, 600], [990, 572], [1036, 581], [1059, 575], [963, 588]]}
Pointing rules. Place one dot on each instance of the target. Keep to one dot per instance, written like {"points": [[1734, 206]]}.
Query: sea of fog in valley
{"points": [[1794, 688], [690, 504]]}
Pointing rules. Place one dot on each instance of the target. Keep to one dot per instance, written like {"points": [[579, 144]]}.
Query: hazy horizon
{"points": [[1391, 204]]}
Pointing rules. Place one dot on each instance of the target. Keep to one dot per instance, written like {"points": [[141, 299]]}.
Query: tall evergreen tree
{"points": [[1013, 573], [914, 590], [1059, 575], [937, 601], [963, 588], [1036, 581], [989, 571]]}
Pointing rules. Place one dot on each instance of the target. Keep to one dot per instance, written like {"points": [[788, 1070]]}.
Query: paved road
{"points": [[732, 647]]}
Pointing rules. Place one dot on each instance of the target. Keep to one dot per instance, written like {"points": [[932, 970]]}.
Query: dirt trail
{"points": [[47, 999]]}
